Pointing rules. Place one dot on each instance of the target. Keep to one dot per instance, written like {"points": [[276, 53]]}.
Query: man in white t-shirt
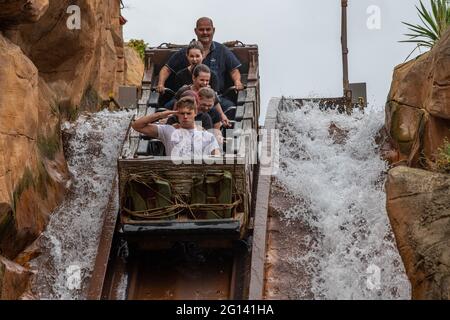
{"points": [[186, 141]]}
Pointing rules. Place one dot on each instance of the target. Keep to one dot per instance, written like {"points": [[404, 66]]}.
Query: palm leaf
{"points": [[422, 32], [426, 15], [423, 12], [421, 43], [433, 23], [430, 28], [430, 23], [439, 11]]}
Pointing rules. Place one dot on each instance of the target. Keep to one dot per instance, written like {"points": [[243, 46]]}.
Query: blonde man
{"points": [[185, 141]]}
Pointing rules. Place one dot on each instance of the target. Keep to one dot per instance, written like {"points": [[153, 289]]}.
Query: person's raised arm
{"points": [[176, 62], [145, 124], [235, 75], [164, 74]]}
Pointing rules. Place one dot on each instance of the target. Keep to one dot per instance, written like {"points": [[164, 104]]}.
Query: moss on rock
{"points": [[50, 145], [91, 100], [26, 182]]}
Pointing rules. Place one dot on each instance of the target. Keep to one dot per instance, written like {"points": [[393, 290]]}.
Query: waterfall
{"points": [[71, 238], [331, 171]]}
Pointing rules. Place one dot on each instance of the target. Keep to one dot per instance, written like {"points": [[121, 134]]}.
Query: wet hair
{"points": [[180, 91], [183, 92], [200, 68], [190, 93], [204, 18], [186, 102], [195, 45], [206, 93]]}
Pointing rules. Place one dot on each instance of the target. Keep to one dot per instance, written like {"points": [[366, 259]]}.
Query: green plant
{"points": [[442, 163], [49, 145], [434, 24], [91, 101], [25, 183], [139, 46]]}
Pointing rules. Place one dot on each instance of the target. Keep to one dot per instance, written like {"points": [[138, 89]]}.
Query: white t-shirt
{"points": [[186, 142]]}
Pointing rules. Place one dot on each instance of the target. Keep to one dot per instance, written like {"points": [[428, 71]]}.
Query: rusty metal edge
{"points": [[101, 261], [257, 269]]}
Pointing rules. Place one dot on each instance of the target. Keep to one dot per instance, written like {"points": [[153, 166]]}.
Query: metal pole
{"points": [[345, 49]]}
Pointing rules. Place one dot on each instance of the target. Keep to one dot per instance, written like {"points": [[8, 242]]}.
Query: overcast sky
{"points": [[299, 40]]}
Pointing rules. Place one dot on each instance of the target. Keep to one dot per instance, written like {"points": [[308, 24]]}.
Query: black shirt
{"points": [[184, 77], [215, 115]]}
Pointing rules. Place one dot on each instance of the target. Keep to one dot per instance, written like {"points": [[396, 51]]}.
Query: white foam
{"points": [[121, 293], [340, 188], [72, 235]]}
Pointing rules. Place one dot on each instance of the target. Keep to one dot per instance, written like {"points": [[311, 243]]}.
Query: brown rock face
{"points": [[32, 165], [15, 12], [49, 70], [418, 106], [14, 280], [418, 204], [135, 67], [30, 253], [82, 66]]}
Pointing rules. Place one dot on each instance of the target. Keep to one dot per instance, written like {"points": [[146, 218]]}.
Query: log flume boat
{"points": [[187, 230]]}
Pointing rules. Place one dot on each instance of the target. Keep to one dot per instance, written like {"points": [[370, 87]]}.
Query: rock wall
{"points": [[418, 108], [82, 66], [47, 73], [135, 67], [16, 12], [418, 202], [14, 280], [33, 171], [419, 209]]}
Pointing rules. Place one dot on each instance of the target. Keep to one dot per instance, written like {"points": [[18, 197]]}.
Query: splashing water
{"points": [[71, 238], [121, 293], [337, 180]]}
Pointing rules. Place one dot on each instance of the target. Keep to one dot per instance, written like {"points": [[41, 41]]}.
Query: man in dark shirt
{"points": [[207, 102], [218, 58]]}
